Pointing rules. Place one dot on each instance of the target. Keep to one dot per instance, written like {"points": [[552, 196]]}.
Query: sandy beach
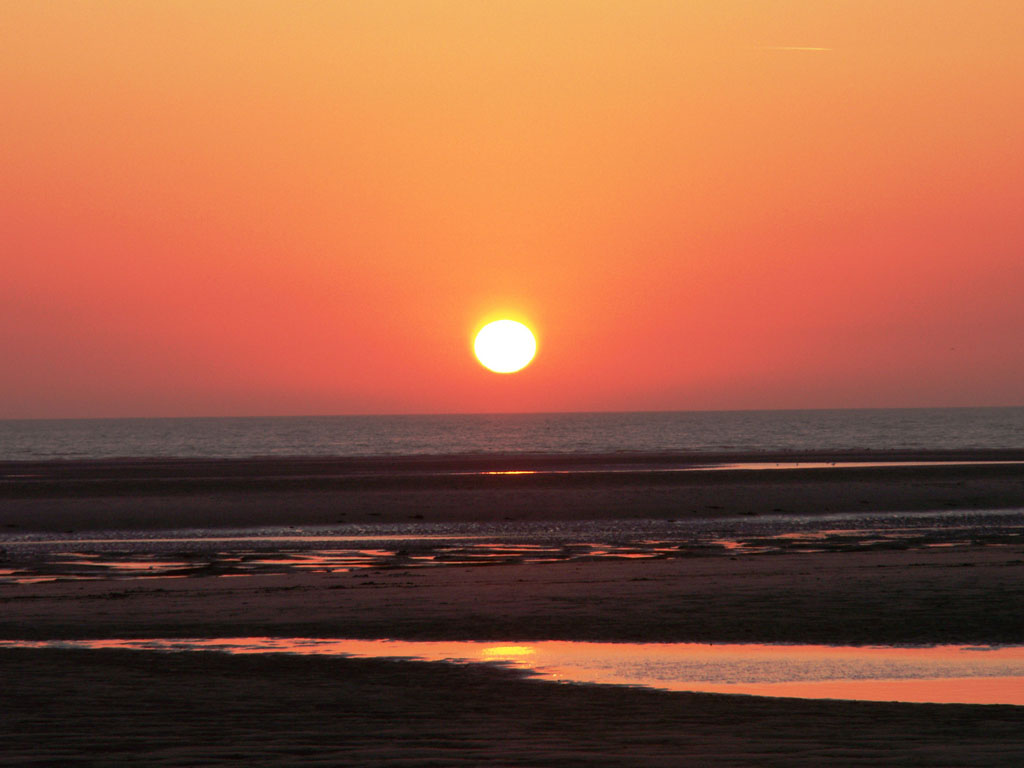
{"points": [[68, 707]]}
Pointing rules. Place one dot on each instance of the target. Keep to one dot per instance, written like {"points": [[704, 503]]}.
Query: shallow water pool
{"points": [[937, 674]]}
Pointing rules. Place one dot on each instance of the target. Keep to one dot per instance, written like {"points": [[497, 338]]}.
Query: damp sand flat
{"points": [[965, 594], [188, 493]]}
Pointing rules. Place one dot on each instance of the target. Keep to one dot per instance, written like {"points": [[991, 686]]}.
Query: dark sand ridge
{"points": [[110, 708], [154, 494]]}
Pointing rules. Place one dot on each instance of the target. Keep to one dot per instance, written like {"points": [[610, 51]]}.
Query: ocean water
{"points": [[559, 433]]}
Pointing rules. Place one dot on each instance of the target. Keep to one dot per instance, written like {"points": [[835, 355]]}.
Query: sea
{"points": [[549, 433]]}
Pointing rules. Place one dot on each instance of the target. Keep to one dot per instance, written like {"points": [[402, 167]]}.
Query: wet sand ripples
{"points": [[198, 553]]}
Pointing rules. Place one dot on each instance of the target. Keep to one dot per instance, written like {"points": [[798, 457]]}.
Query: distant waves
{"points": [[566, 433]]}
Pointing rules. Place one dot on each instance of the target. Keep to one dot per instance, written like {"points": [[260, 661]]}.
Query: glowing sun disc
{"points": [[505, 346]]}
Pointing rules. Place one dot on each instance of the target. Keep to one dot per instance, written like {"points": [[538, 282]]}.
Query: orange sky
{"points": [[247, 208]]}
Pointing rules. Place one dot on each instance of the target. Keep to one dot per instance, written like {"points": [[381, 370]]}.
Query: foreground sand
{"points": [[100, 708], [128, 709], [71, 707]]}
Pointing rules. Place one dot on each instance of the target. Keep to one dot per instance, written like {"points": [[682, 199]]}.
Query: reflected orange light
{"points": [[507, 652], [940, 674]]}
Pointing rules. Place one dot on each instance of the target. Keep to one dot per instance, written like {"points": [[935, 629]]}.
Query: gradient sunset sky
{"points": [[258, 208]]}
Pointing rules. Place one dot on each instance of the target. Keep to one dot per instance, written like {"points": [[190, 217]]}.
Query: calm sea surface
{"points": [[562, 433]]}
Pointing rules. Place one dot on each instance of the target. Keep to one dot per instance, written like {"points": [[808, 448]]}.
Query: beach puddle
{"points": [[937, 674]]}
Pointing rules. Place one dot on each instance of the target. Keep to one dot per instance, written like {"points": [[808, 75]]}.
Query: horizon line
{"points": [[519, 413]]}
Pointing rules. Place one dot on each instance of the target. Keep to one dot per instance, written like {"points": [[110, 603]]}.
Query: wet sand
{"points": [[972, 594], [162, 494], [67, 707], [129, 709]]}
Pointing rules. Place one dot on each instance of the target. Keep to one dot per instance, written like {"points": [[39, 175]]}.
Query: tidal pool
{"points": [[936, 674], [123, 555]]}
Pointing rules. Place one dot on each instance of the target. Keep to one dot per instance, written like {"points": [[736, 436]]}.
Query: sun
{"points": [[505, 346]]}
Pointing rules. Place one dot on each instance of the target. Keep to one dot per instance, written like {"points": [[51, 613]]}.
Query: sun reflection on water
{"points": [[935, 674], [509, 652]]}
